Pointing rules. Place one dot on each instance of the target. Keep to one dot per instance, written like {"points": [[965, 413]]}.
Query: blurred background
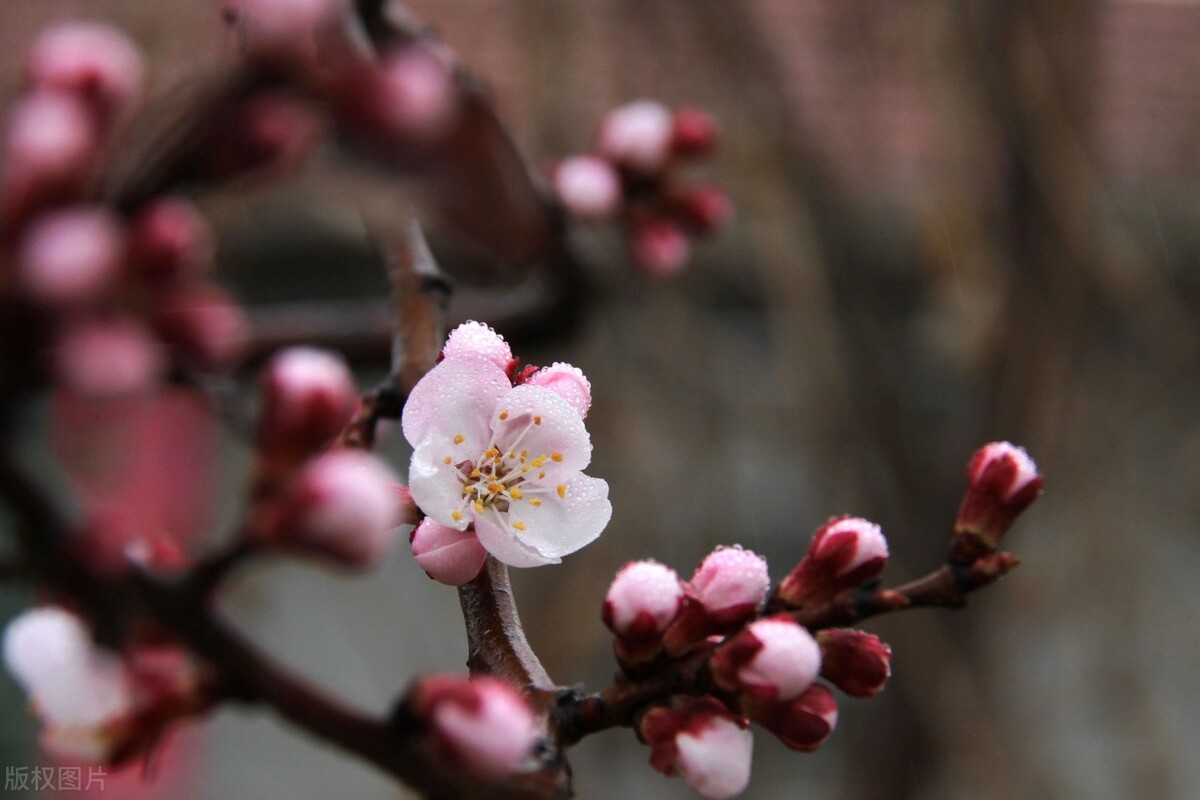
{"points": [[956, 222]]}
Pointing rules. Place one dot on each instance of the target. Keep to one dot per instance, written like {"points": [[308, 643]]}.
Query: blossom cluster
{"points": [[630, 174]]}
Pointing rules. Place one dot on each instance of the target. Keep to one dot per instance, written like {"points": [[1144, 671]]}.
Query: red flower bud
{"points": [[660, 249], [1002, 481], [703, 742], [856, 662], [168, 239], [693, 132], [308, 397], [844, 553], [804, 723], [725, 591]]}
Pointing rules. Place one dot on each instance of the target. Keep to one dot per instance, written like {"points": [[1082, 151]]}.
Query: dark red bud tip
{"points": [[693, 132]]}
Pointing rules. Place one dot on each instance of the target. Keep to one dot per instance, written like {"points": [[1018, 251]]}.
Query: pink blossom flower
{"points": [[504, 460], [447, 555]]}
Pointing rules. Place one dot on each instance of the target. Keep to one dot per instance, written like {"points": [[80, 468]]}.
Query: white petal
{"points": [[506, 547], [456, 397], [475, 338], [435, 485], [538, 420], [562, 525], [715, 762]]}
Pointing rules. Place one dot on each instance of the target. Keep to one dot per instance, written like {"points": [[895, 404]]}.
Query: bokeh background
{"points": [[957, 222]]}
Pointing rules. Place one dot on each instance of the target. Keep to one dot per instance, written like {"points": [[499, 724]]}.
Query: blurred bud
{"points": [[169, 240], [449, 556], [567, 382], [804, 723], [418, 97], [48, 151], [725, 591], [204, 323], [476, 338], [693, 132], [771, 661], [481, 725], [637, 136], [408, 513], [269, 135], [844, 553], [641, 602], [659, 247], [107, 358], [856, 662], [284, 29], [70, 256], [98, 63], [588, 187], [701, 741], [344, 509], [704, 209], [1002, 481], [308, 397]]}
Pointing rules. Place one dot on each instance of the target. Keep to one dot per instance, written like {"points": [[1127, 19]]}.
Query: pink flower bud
{"points": [[481, 725], [701, 741], [49, 147], [107, 358], [704, 209], [567, 382], [844, 553], [641, 602], [205, 325], [693, 132], [449, 556], [417, 96], [588, 187], [856, 662], [284, 28], [476, 338], [345, 509], [168, 239], [772, 661], [308, 397], [637, 136], [96, 62], [725, 591], [70, 256], [806, 722], [269, 135], [1002, 481], [660, 249]]}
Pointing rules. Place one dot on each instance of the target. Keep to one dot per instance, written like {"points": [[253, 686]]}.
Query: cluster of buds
{"points": [[122, 296], [629, 175], [341, 505], [95, 705]]}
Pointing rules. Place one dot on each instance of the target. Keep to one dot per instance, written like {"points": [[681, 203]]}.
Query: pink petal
{"points": [[538, 420], [435, 485], [562, 525], [567, 382], [447, 555], [715, 761], [456, 397], [507, 548]]}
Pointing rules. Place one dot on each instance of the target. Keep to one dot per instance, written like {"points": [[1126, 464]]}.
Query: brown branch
{"points": [[494, 634]]}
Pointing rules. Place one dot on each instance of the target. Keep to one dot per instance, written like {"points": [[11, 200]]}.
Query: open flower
{"points": [[503, 461]]}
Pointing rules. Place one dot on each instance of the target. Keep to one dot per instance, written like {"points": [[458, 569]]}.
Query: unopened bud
{"points": [[659, 247], [641, 602], [567, 382], [844, 553], [48, 151], [637, 136], [481, 725], [97, 63], [804, 723], [418, 98], [693, 132], [588, 187], [1002, 481], [168, 239], [701, 741], [204, 323], [284, 29], [107, 358], [705, 209], [269, 135], [308, 397], [725, 591], [447, 555], [856, 662], [70, 256], [476, 338], [772, 661]]}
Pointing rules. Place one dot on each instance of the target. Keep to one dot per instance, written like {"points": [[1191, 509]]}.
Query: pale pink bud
{"points": [[703, 743], [844, 553], [478, 339], [567, 382], [308, 397], [588, 187], [660, 249], [856, 662], [773, 660], [642, 600], [107, 358], [693, 132], [97, 62], [169, 239], [204, 322], [704, 209], [804, 723], [417, 96], [1002, 481], [284, 28], [725, 591], [449, 556], [269, 135], [346, 510], [70, 256], [50, 143], [482, 725], [637, 136]]}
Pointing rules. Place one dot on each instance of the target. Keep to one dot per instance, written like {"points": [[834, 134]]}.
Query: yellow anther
{"points": [[525, 469], [537, 420], [475, 473], [536, 503], [447, 460], [503, 415], [512, 455], [456, 516], [524, 454], [495, 487], [519, 526], [515, 493], [562, 490], [459, 439], [541, 475], [539, 462], [478, 506], [556, 457]]}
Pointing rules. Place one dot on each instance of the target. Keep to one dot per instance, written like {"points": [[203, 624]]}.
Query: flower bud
{"points": [[481, 725], [344, 509], [637, 136], [693, 132], [772, 661], [856, 662], [308, 397], [844, 553], [449, 556], [641, 602], [659, 248], [477, 338], [567, 382], [704, 209], [419, 101], [168, 239], [269, 135], [70, 256], [204, 323], [95, 62], [588, 187], [48, 150], [1002, 481], [700, 740], [725, 591], [107, 358], [804, 723], [284, 29]]}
